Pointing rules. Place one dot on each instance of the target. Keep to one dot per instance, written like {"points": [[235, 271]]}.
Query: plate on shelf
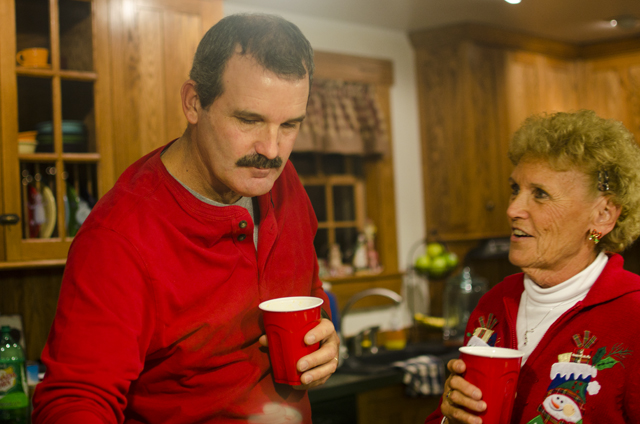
{"points": [[74, 136], [50, 212]]}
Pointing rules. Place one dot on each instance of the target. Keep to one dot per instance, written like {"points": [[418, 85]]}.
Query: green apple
{"points": [[435, 249], [452, 260], [423, 262], [438, 266]]}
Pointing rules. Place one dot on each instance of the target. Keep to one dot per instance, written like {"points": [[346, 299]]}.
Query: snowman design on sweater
{"points": [[573, 379]]}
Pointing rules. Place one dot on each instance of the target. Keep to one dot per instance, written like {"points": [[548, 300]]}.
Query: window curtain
{"points": [[344, 118]]}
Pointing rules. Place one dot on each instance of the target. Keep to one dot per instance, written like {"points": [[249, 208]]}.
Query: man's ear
{"points": [[607, 215], [190, 102]]}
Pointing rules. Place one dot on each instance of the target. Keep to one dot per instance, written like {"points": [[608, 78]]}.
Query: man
{"points": [[158, 318]]}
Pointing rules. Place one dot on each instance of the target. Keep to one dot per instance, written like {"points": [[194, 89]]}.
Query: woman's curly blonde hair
{"points": [[599, 147]]}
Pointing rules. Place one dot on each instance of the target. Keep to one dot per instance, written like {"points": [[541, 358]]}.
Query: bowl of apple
{"points": [[435, 261]]}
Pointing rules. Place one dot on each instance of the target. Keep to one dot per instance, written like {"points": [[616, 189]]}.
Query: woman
{"points": [[573, 311]]}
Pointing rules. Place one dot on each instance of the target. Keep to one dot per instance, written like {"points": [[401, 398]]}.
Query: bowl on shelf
{"points": [[73, 136], [27, 142]]}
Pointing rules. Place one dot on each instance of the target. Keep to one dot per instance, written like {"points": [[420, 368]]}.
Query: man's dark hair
{"points": [[278, 45]]}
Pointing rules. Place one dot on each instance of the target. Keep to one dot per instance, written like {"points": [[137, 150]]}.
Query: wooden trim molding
{"points": [[44, 263], [353, 68], [610, 48], [490, 36], [453, 35]]}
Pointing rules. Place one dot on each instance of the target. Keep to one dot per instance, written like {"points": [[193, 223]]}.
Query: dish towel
{"points": [[423, 375]]}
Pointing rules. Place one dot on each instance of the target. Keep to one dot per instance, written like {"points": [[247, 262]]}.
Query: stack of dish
{"points": [[27, 141], [73, 136]]}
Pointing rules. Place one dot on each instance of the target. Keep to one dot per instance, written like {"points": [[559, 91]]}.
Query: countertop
{"points": [[343, 383]]}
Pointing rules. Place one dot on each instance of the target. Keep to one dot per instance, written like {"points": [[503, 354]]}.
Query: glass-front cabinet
{"points": [[54, 102]]}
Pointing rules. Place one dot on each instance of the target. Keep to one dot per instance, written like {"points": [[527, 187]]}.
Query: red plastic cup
{"points": [[287, 320], [495, 371]]}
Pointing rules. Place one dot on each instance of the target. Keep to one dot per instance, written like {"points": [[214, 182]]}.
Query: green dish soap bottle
{"points": [[14, 395]]}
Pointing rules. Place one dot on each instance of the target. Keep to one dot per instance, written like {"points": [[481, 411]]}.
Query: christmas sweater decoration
{"points": [[573, 379]]}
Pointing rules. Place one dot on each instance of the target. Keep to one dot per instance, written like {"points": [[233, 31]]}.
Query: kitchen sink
{"points": [[382, 361]]}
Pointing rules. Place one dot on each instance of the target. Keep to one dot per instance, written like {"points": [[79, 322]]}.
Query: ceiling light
{"points": [[512, 1], [624, 22]]}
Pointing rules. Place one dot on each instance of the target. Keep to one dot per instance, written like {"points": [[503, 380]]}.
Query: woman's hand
{"points": [[460, 394], [319, 365]]}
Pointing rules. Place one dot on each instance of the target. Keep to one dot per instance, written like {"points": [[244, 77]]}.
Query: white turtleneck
{"points": [[541, 307]]}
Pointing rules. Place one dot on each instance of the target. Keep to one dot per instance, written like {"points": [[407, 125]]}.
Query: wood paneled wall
{"points": [[153, 43], [32, 293]]}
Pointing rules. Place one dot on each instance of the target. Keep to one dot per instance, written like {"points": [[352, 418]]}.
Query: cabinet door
{"points": [[153, 43], [611, 87], [390, 405], [465, 165], [53, 94], [537, 83]]}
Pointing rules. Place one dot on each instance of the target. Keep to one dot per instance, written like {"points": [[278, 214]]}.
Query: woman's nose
{"points": [[516, 208]]}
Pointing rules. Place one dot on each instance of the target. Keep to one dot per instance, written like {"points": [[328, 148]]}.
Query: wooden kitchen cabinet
{"points": [[476, 84], [464, 137], [115, 70], [66, 99], [372, 400], [390, 405], [610, 85], [538, 83]]}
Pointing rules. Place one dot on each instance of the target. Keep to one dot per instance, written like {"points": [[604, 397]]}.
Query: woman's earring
{"points": [[595, 236]]}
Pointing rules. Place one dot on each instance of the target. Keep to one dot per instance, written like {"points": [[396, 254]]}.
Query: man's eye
{"points": [[247, 120], [515, 189]]}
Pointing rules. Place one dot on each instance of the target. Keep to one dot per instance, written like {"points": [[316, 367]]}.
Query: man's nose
{"points": [[269, 141]]}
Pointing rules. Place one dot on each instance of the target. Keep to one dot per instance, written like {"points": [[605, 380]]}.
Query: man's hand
{"points": [[460, 394], [318, 366]]}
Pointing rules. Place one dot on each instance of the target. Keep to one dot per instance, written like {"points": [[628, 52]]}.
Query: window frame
{"points": [[378, 173], [328, 182]]}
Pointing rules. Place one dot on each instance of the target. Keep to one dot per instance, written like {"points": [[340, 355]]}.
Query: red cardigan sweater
{"points": [[158, 318], [588, 362]]}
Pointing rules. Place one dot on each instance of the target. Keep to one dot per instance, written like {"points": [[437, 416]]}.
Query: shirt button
{"points": [[243, 224], [242, 237]]}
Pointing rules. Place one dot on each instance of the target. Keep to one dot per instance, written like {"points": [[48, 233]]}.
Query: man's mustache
{"points": [[259, 161]]}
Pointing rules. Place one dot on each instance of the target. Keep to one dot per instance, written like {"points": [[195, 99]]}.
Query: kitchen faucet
{"points": [[371, 332]]}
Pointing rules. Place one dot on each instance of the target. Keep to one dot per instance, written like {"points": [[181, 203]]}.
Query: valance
{"points": [[344, 118]]}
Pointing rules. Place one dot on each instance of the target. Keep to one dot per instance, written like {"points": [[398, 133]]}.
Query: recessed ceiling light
{"points": [[624, 22], [512, 1]]}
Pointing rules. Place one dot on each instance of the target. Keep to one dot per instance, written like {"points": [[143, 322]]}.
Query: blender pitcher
{"points": [[461, 295]]}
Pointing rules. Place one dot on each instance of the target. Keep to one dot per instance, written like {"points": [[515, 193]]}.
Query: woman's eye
{"points": [[540, 194]]}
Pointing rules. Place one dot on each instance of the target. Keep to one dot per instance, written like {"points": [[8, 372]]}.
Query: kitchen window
{"points": [[348, 181], [336, 187]]}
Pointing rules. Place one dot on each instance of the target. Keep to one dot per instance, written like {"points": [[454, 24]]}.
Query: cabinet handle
{"points": [[490, 205], [9, 219]]}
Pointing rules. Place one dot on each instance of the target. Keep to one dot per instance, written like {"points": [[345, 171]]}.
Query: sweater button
{"points": [[243, 224], [242, 237]]}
